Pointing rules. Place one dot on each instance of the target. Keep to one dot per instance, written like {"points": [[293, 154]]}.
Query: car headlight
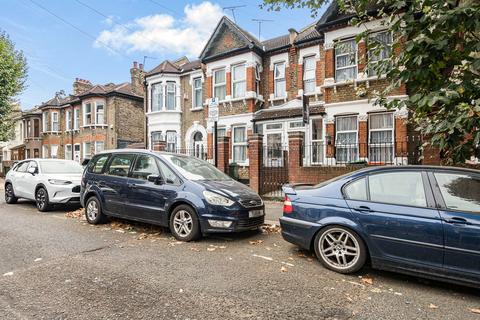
{"points": [[60, 182], [216, 199]]}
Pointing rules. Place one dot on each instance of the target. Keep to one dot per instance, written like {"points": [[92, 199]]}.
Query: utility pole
{"points": [[233, 8], [260, 21]]}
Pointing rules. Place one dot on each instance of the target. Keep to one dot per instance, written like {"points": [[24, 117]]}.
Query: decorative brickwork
{"points": [[223, 154]]}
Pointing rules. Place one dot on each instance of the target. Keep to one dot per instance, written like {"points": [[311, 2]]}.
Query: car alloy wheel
{"points": [[92, 210], [42, 199], [339, 249], [183, 223], [9, 193]]}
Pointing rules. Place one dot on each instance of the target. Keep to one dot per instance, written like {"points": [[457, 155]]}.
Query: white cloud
{"points": [[164, 34]]}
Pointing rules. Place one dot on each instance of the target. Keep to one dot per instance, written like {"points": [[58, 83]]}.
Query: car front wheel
{"points": [[184, 224], [93, 211], [41, 200], [340, 249], [10, 194]]}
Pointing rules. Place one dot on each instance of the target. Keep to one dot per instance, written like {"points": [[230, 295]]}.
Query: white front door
{"points": [[76, 153]]}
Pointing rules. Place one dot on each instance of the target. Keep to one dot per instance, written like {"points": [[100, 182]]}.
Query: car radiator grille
{"points": [[252, 202], [252, 222]]}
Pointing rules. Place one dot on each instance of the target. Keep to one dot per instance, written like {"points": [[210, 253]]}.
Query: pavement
{"points": [[56, 266]]}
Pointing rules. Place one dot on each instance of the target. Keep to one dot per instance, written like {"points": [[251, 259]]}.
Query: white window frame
{"points": [[351, 66], [279, 79], [160, 96], [382, 145], [76, 118], [97, 104], [66, 151], [55, 122], [269, 159], [290, 128], [239, 144], [151, 137], [349, 147], [45, 121], [239, 81], [29, 128], [305, 72], [85, 149], [45, 151], [171, 141], [320, 141], [96, 146], [197, 104], [68, 118], [85, 114], [52, 148], [219, 85], [372, 60], [257, 79], [169, 92]]}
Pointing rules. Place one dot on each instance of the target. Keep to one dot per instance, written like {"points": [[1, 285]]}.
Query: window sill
{"points": [[51, 132], [163, 111], [95, 126], [196, 109]]}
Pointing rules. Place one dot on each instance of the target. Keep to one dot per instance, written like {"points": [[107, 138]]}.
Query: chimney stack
{"points": [[81, 85], [293, 35], [137, 75]]}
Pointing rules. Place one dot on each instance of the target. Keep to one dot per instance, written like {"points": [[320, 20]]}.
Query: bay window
{"points": [[383, 41], [171, 105], [317, 140], [239, 144], [54, 121], [87, 114], [171, 141], [29, 128], [346, 60], [157, 97], [309, 66], [156, 137], [36, 128], [45, 121], [99, 146], [280, 85], [219, 84], [380, 137], [197, 93], [239, 81], [99, 114], [346, 139]]}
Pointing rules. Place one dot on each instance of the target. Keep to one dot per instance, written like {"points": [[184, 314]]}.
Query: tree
{"points": [[13, 73], [436, 53]]}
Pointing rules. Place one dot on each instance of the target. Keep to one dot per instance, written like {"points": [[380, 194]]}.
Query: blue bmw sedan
{"points": [[186, 194], [419, 220]]}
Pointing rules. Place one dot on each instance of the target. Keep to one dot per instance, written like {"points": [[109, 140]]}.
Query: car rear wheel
{"points": [[93, 211], [340, 249], [10, 194], [41, 200], [184, 224]]}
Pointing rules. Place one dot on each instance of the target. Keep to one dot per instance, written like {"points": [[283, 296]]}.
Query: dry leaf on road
{"points": [[255, 242], [283, 269], [432, 306], [475, 310], [211, 249], [367, 280]]}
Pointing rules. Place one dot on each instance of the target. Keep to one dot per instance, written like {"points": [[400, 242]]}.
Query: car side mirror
{"points": [[155, 178], [32, 170]]}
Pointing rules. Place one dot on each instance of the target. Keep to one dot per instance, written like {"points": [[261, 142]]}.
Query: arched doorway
{"points": [[198, 146]]}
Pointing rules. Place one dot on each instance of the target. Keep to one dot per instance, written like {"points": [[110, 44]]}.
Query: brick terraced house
{"points": [[259, 86], [93, 118]]}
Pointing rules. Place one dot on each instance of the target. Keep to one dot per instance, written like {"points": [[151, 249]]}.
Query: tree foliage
{"points": [[436, 54], [13, 73]]}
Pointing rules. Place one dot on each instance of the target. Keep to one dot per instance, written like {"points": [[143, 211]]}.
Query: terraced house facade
{"points": [[93, 118], [260, 87]]}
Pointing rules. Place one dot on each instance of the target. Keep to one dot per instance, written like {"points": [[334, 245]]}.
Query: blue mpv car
{"points": [[419, 220], [186, 194]]}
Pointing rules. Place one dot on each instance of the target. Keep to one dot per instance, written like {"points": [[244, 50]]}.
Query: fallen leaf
{"points": [[290, 258], [38, 259], [75, 214], [283, 269], [194, 249], [367, 280], [432, 306], [475, 310], [211, 249], [8, 274], [255, 242], [376, 290]]}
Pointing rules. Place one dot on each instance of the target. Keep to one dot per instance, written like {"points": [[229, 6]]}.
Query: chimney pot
{"points": [[141, 66], [135, 64]]}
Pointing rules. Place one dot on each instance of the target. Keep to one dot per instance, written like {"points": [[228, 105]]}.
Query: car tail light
{"points": [[287, 206]]}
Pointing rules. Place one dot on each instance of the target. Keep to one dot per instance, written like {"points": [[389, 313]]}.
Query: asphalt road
{"points": [[54, 267]]}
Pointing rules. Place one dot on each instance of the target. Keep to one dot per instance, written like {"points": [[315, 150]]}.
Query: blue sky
{"points": [[113, 33]]}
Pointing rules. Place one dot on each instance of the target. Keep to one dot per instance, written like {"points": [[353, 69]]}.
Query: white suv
{"points": [[47, 181]]}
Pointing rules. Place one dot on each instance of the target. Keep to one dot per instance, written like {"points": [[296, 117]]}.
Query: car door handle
{"points": [[132, 185], [363, 209], [457, 220]]}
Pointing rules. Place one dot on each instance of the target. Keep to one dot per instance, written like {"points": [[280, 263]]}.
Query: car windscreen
{"points": [[195, 169], [61, 167]]}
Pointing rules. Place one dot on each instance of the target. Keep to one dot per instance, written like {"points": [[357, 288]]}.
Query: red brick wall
{"points": [[228, 84], [209, 87], [250, 79], [362, 56], [401, 142], [255, 155], [363, 138], [320, 69], [223, 154], [300, 76], [330, 131], [329, 63]]}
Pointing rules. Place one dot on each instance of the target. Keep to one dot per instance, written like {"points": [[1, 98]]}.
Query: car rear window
{"points": [[459, 191]]}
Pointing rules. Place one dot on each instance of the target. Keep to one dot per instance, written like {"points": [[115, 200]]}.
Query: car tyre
{"points": [[93, 211], [10, 194], [41, 199], [184, 224], [340, 249]]}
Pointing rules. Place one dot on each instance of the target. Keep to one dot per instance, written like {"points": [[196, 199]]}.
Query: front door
{"points": [[459, 197], [114, 182], [397, 212], [76, 152], [146, 199]]}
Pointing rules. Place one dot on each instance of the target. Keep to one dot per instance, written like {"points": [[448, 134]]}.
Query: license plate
{"points": [[255, 213]]}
